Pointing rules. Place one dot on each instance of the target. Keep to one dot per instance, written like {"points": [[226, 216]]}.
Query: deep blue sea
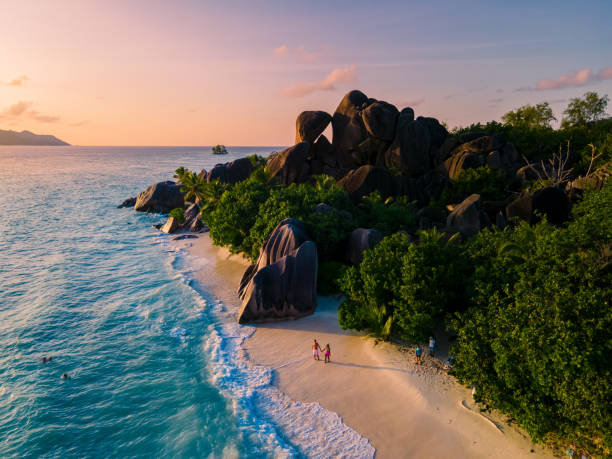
{"points": [[153, 361]]}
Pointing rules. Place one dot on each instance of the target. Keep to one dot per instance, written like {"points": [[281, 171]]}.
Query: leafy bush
{"points": [[329, 231], [231, 220], [387, 216], [536, 342], [403, 288], [490, 183], [329, 275], [179, 214]]}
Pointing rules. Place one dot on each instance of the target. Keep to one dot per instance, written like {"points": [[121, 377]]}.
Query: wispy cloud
{"points": [[80, 123], [300, 52], [341, 75], [23, 109], [574, 79], [496, 100], [19, 81]]}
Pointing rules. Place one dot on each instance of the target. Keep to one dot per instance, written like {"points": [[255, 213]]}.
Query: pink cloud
{"points": [[565, 81], [342, 75], [604, 74], [574, 79], [301, 52], [24, 109], [19, 81]]}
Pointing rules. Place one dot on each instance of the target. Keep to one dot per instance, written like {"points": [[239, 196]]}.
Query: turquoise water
{"points": [[155, 362], [92, 286]]}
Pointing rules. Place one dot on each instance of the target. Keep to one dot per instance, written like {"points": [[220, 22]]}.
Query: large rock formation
{"points": [[283, 283], [468, 218], [415, 145], [160, 197], [366, 179], [290, 165], [482, 150], [310, 125], [360, 240], [348, 128], [232, 172], [549, 201], [171, 225]]}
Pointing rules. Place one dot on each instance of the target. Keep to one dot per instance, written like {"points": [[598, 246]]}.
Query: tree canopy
{"points": [[530, 116], [585, 109]]}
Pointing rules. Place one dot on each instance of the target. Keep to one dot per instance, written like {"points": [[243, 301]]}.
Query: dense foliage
{"points": [[588, 108], [530, 116], [490, 183], [387, 215], [536, 341], [403, 288], [179, 214]]}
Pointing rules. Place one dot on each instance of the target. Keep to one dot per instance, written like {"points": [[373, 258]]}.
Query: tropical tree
{"points": [[530, 116], [194, 186], [582, 110], [180, 173]]}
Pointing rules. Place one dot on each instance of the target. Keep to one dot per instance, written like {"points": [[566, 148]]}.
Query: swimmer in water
{"points": [[65, 376]]}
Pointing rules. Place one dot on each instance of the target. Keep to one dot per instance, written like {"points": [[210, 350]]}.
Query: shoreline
{"points": [[404, 410]]}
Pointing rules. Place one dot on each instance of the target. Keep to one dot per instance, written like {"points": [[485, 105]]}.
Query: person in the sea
{"points": [[327, 353], [315, 350], [417, 353], [432, 346], [65, 376]]}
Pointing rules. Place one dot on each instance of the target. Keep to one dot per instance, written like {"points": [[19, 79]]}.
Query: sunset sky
{"points": [[239, 72]]}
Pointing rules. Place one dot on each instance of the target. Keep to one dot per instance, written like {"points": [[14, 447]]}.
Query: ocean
{"points": [[153, 360]]}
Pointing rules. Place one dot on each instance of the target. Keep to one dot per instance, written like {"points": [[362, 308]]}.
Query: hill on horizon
{"points": [[28, 138]]}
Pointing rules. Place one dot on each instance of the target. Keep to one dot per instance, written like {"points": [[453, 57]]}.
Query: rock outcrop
{"points": [[549, 201], [366, 179], [171, 226], [360, 240], [160, 197], [231, 172], [310, 125], [468, 218], [482, 150], [282, 284], [129, 202], [290, 165]]}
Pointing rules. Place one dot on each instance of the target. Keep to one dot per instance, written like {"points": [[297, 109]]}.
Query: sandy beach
{"points": [[404, 410]]}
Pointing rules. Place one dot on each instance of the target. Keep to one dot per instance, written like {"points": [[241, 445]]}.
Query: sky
{"points": [[239, 72]]}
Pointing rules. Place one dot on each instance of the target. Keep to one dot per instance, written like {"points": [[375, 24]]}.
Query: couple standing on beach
{"points": [[316, 348]]}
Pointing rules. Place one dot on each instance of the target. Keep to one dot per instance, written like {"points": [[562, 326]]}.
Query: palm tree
{"points": [[194, 186], [180, 173]]}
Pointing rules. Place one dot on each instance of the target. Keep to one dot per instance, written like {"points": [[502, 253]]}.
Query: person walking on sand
{"points": [[432, 346], [315, 350], [417, 353], [327, 353]]}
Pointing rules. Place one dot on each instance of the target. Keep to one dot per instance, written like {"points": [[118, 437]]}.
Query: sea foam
{"points": [[280, 426]]}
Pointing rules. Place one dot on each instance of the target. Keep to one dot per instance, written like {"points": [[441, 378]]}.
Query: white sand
{"points": [[403, 409]]}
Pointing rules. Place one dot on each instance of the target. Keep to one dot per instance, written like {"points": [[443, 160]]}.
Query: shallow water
{"points": [[153, 360]]}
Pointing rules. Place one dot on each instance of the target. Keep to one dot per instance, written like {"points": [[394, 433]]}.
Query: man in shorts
{"points": [[315, 350]]}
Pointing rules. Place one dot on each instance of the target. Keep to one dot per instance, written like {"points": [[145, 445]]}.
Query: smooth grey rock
{"points": [[310, 124], [129, 202], [366, 179], [380, 119], [284, 289], [290, 165], [231, 172], [160, 197], [549, 201], [468, 218], [171, 225], [360, 240], [348, 128], [184, 236]]}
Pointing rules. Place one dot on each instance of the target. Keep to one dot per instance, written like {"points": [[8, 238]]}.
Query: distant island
{"points": [[28, 138], [219, 150]]}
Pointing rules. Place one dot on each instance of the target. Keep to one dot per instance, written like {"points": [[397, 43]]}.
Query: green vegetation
{"points": [[179, 214], [586, 109], [193, 184], [529, 305], [491, 184], [219, 150], [389, 215], [530, 116]]}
